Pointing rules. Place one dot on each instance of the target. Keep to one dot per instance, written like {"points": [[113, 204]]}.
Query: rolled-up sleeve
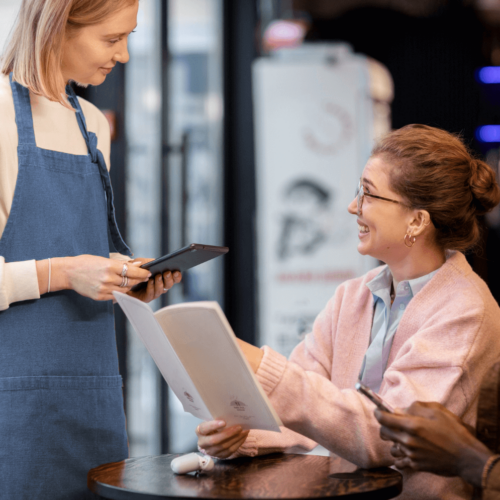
{"points": [[18, 282]]}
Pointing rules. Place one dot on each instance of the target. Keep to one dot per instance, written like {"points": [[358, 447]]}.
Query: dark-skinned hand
{"points": [[428, 437]]}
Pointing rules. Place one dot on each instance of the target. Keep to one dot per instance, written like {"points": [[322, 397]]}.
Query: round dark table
{"points": [[270, 477]]}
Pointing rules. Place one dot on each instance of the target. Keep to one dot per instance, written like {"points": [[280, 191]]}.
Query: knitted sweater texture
{"points": [[447, 339]]}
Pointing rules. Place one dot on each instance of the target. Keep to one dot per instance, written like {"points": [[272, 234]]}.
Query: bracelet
{"points": [[490, 463], [50, 269]]}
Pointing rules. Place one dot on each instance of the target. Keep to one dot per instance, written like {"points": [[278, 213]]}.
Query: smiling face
{"points": [[91, 52], [382, 224]]}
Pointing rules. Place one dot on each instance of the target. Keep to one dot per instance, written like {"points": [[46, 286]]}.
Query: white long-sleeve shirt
{"points": [[56, 129]]}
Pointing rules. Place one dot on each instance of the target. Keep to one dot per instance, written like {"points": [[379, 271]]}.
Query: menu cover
{"points": [[196, 351]]}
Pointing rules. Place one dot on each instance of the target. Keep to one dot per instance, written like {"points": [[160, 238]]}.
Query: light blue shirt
{"points": [[386, 320]]}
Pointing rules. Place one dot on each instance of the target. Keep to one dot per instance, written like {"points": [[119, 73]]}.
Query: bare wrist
{"points": [[42, 273], [257, 359], [253, 354], [59, 275]]}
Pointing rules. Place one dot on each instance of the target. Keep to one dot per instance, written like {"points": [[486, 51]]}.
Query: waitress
{"points": [[61, 253]]}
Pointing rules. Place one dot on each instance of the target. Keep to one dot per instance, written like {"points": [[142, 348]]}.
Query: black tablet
{"points": [[183, 259]]}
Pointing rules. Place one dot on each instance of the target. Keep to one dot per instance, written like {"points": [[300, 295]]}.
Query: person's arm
{"points": [[216, 440], [98, 277], [18, 282], [444, 360], [220, 442], [430, 438], [312, 408], [89, 275]]}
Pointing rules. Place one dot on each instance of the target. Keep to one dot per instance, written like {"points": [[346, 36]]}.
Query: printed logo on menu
{"points": [[238, 405], [188, 396]]}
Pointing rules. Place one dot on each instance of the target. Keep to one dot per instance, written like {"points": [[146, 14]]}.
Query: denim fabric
{"points": [[61, 404]]}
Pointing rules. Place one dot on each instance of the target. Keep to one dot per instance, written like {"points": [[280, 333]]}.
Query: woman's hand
{"points": [[89, 275], [216, 441], [98, 277], [430, 438], [157, 285]]}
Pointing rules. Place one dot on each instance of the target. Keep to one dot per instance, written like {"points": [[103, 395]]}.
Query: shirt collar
{"points": [[380, 286], [382, 281], [418, 283]]}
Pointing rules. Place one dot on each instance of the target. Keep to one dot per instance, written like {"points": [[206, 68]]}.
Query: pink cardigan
{"points": [[447, 339]]}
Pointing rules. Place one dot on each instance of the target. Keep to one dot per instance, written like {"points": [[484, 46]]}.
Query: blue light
{"points": [[489, 74], [488, 133]]}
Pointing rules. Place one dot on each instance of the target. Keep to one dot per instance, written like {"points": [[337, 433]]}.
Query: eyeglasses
{"points": [[360, 195]]}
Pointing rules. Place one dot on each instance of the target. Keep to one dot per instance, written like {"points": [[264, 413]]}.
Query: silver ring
{"points": [[124, 282], [124, 270]]}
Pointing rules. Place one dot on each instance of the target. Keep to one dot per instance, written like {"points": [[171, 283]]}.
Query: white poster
{"points": [[314, 132]]}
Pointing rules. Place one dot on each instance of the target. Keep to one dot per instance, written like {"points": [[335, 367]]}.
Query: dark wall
{"points": [[432, 61], [240, 19]]}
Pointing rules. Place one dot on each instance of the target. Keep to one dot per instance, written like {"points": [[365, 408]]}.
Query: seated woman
{"points": [[428, 437], [422, 327]]}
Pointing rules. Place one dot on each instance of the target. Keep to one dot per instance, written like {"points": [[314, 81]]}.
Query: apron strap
{"points": [[24, 117], [115, 239], [80, 117]]}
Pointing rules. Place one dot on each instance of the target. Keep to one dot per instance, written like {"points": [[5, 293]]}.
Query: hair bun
{"points": [[484, 186], [433, 170]]}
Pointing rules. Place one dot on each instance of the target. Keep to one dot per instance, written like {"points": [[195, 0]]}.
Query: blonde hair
{"points": [[34, 51]]}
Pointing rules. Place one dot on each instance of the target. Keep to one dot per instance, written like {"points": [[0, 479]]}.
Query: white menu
{"points": [[196, 351]]}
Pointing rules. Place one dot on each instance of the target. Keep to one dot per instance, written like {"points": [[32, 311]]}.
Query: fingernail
{"points": [[220, 423], [169, 274], [149, 275], [176, 275]]}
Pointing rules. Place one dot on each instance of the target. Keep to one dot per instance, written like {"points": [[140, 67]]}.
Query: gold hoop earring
{"points": [[409, 240]]}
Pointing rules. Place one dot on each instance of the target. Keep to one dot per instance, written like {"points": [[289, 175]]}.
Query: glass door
{"points": [[174, 102], [195, 172], [143, 124]]}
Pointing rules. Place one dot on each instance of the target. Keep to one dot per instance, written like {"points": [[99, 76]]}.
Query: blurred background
{"points": [[247, 123]]}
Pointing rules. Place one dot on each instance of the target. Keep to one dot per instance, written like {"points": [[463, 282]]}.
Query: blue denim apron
{"points": [[61, 403]]}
